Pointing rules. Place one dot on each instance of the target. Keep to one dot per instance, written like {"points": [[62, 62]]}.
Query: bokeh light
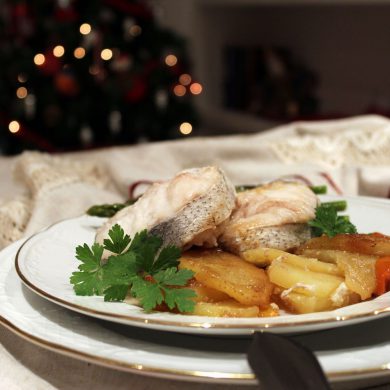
{"points": [[22, 78], [179, 90], [79, 52], [106, 54], [196, 88], [39, 59], [59, 51], [85, 28], [21, 92], [14, 126], [186, 128], [171, 60], [135, 30], [185, 79]]}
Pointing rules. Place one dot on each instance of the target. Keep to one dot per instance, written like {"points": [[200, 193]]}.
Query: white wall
{"points": [[348, 45]]}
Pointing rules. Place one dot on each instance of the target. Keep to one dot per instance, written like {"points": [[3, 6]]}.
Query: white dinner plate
{"points": [[360, 352], [46, 261]]}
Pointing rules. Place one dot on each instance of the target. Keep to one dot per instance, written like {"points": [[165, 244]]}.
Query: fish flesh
{"points": [[184, 211], [274, 215]]}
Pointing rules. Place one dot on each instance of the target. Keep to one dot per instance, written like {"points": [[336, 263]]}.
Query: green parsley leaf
{"points": [[118, 241], [116, 293], [139, 266], [149, 294], [139, 240], [120, 269], [153, 293], [173, 277], [328, 222], [168, 257], [180, 298], [89, 281]]}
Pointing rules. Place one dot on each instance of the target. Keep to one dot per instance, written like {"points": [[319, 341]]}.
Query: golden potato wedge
{"points": [[271, 311], [229, 308], [228, 273], [311, 264], [326, 255], [261, 257], [265, 256], [366, 244], [301, 303], [359, 269], [306, 282], [359, 272], [206, 294]]}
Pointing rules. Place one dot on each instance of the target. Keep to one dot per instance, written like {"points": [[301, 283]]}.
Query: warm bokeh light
{"points": [[135, 30], [59, 51], [85, 28], [186, 128], [39, 59], [22, 78], [79, 52], [196, 88], [93, 70], [106, 54], [171, 60], [185, 79], [14, 126], [21, 92], [179, 90]]}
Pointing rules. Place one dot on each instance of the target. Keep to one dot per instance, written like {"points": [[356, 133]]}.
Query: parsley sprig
{"points": [[139, 266], [327, 221]]}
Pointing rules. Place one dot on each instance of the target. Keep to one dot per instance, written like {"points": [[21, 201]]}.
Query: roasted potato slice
{"points": [[206, 294], [261, 257], [302, 280], [228, 273], [358, 269], [229, 308], [359, 273], [265, 256], [366, 244], [314, 265], [301, 303], [326, 255]]}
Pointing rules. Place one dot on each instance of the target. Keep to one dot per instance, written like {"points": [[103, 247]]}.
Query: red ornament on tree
{"points": [[137, 90], [51, 65], [66, 84]]}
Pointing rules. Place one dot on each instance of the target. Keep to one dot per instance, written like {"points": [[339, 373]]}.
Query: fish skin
{"points": [[274, 215], [283, 237], [194, 222]]}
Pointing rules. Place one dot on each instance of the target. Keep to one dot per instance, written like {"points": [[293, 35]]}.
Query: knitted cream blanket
{"points": [[351, 156]]}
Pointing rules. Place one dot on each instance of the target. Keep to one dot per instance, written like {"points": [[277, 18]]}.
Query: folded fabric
{"points": [[334, 153]]}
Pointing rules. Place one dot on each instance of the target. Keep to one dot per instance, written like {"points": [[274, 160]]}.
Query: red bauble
{"points": [[66, 15], [66, 84], [137, 90], [51, 65]]}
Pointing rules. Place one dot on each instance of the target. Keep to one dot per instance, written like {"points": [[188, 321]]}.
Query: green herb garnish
{"points": [[140, 267], [319, 190], [328, 222], [108, 210]]}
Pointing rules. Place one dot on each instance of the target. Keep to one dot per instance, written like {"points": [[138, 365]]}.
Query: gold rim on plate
{"points": [[169, 373]]}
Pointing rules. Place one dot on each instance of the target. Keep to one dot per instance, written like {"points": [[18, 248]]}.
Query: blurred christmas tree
{"points": [[86, 73]]}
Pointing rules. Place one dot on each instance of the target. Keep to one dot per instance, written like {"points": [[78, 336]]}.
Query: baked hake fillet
{"points": [[183, 211], [274, 215]]}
